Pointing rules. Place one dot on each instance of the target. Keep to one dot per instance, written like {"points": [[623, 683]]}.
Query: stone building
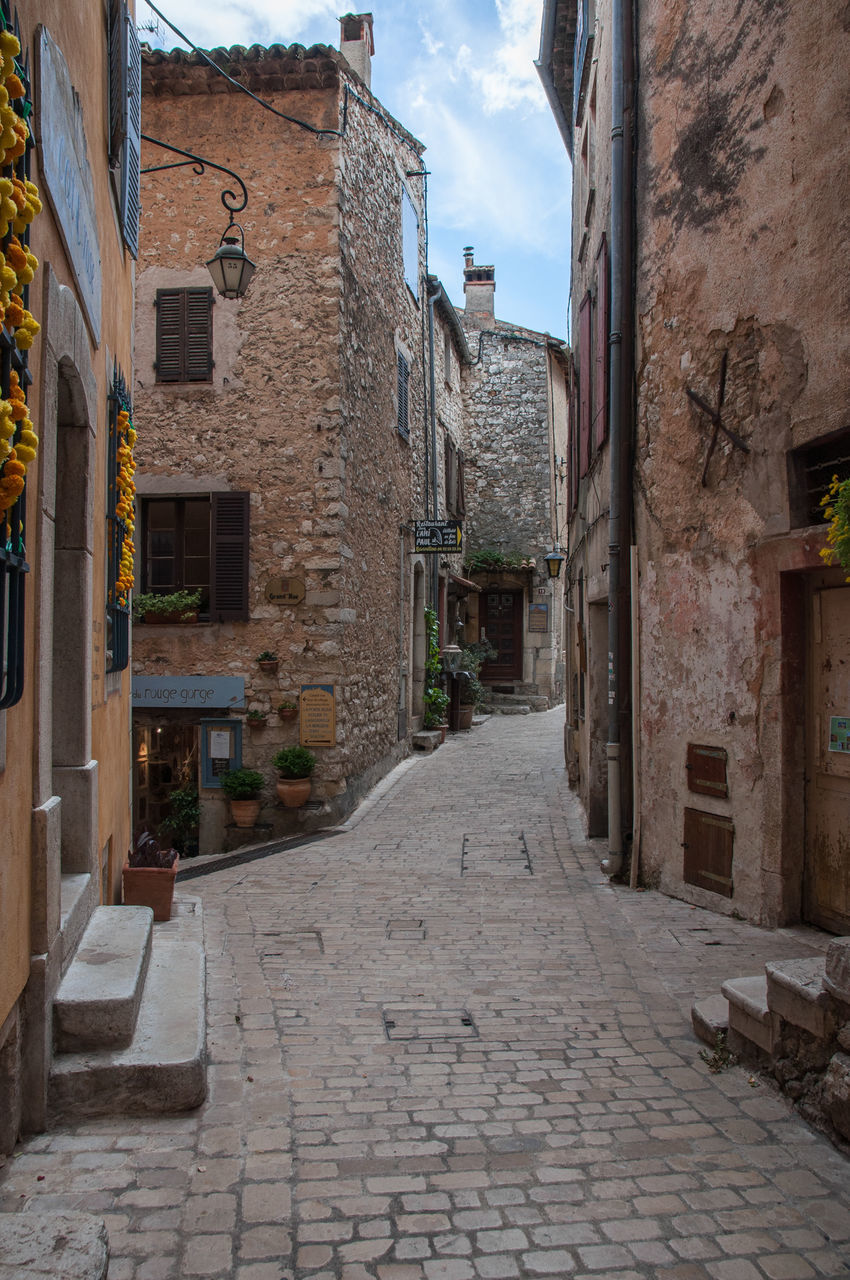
{"points": [[515, 394], [698, 137], [64, 694], [283, 441]]}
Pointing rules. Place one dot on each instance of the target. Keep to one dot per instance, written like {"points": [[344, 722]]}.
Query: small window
{"points": [[410, 243], [184, 335], [810, 471], [199, 543], [402, 387]]}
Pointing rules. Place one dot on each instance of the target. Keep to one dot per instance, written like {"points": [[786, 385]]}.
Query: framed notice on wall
{"points": [[221, 750], [538, 617], [318, 715]]}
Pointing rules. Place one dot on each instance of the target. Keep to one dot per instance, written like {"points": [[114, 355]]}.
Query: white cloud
{"points": [[246, 22]]}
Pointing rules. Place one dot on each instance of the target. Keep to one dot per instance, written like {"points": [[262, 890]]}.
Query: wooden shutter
{"points": [[572, 450], [450, 455], [600, 389], [125, 118], [585, 382], [229, 553], [198, 350], [708, 846], [117, 84], [403, 419], [460, 504], [184, 335]]}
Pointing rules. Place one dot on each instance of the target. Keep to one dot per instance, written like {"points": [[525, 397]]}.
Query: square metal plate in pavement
{"points": [[403, 1022]]}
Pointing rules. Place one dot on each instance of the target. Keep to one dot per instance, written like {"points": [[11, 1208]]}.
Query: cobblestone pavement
{"points": [[443, 1047]]}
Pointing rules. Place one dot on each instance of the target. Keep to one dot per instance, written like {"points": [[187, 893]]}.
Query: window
{"points": [[184, 335], [402, 387], [199, 543], [455, 496], [810, 470], [125, 118], [410, 243]]}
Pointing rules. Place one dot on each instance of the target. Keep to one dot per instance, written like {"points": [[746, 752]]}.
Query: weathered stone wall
{"points": [[301, 409], [742, 209]]}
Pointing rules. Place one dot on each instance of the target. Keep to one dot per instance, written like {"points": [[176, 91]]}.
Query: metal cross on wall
{"points": [[715, 418]]}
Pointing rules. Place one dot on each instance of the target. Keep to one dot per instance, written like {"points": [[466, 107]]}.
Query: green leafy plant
{"points": [[286, 705], [435, 699], [146, 851], [181, 823], [488, 560], [472, 692], [183, 604], [267, 656], [242, 784], [836, 509], [256, 717], [294, 762], [721, 1057]]}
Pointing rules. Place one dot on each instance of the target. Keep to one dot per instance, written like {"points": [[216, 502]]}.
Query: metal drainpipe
{"points": [[612, 865], [435, 565]]}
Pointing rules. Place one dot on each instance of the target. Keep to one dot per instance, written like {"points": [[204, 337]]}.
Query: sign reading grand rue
{"points": [[438, 535], [168, 692]]}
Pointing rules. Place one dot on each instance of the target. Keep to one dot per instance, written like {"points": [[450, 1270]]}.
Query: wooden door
{"points": [[826, 881], [503, 629]]}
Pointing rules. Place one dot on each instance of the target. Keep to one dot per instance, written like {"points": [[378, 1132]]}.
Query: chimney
{"points": [[357, 44], [479, 285]]}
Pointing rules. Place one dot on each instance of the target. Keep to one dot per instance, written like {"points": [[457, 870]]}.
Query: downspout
{"points": [[612, 865], [435, 565], [402, 664]]}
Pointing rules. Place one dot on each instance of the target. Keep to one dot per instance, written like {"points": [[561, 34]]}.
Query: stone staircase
{"points": [[521, 702], [128, 1016], [794, 1021]]}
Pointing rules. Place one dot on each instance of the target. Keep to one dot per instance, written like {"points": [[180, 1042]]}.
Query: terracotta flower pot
{"points": [[268, 665], [287, 713], [150, 887], [244, 812], [294, 791]]}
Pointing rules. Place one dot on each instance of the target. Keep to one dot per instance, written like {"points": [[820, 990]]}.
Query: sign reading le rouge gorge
{"points": [[204, 692]]}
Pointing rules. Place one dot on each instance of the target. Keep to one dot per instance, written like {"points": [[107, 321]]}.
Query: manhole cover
{"points": [[400, 929], [486, 854], [301, 941], [404, 1023]]}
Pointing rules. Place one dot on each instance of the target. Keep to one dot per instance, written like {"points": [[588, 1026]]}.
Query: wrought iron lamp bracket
{"points": [[232, 201]]}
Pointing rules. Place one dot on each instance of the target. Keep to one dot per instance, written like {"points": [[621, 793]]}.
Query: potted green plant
{"points": [[180, 824], [435, 699], [287, 710], [267, 661], [148, 876], [177, 606], [256, 719], [242, 788], [471, 692], [294, 766]]}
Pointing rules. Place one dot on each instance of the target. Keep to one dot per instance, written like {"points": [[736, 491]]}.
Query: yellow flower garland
{"points": [[19, 204], [125, 505]]}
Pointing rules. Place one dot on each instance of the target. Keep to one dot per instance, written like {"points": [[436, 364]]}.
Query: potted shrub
{"points": [[435, 699], [148, 876], [242, 788], [287, 710], [267, 661], [181, 823], [255, 719], [177, 606], [471, 692], [294, 766]]}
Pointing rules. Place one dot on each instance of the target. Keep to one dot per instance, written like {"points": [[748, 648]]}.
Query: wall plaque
{"points": [[168, 692], [67, 175], [318, 715], [285, 590], [538, 617]]}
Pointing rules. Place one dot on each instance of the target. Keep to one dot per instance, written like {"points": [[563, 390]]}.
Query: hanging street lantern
{"points": [[230, 267], [554, 560]]}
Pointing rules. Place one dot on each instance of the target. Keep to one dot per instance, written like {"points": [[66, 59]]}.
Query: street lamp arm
{"points": [[232, 201]]}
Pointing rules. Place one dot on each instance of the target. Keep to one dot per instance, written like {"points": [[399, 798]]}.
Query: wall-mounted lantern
{"points": [[230, 267], [554, 560]]}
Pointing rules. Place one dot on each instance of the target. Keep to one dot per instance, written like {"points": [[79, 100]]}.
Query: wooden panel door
{"points": [[826, 881], [503, 629]]}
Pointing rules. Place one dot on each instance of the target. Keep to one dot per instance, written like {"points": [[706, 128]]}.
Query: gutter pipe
{"points": [[432, 386], [612, 865]]}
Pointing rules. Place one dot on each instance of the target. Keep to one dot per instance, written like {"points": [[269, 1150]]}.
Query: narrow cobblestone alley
{"points": [[443, 1047]]}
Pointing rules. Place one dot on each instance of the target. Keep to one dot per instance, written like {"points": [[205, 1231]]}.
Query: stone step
{"points": [[53, 1246], [163, 1069], [750, 1020], [710, 1019], [426, 739], [509, 709], [98, 999], [795, 991], [76, 904], [499, 702]]}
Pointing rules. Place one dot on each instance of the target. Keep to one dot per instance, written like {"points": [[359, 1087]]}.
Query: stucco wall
{"points": [[742, 208]]}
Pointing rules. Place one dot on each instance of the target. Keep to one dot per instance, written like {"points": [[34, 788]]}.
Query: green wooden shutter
{"points": [[229, 557], [198, 329], [184, 335]]}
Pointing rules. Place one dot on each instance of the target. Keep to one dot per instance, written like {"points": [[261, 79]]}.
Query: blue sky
{"points": [[460, 75]]}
